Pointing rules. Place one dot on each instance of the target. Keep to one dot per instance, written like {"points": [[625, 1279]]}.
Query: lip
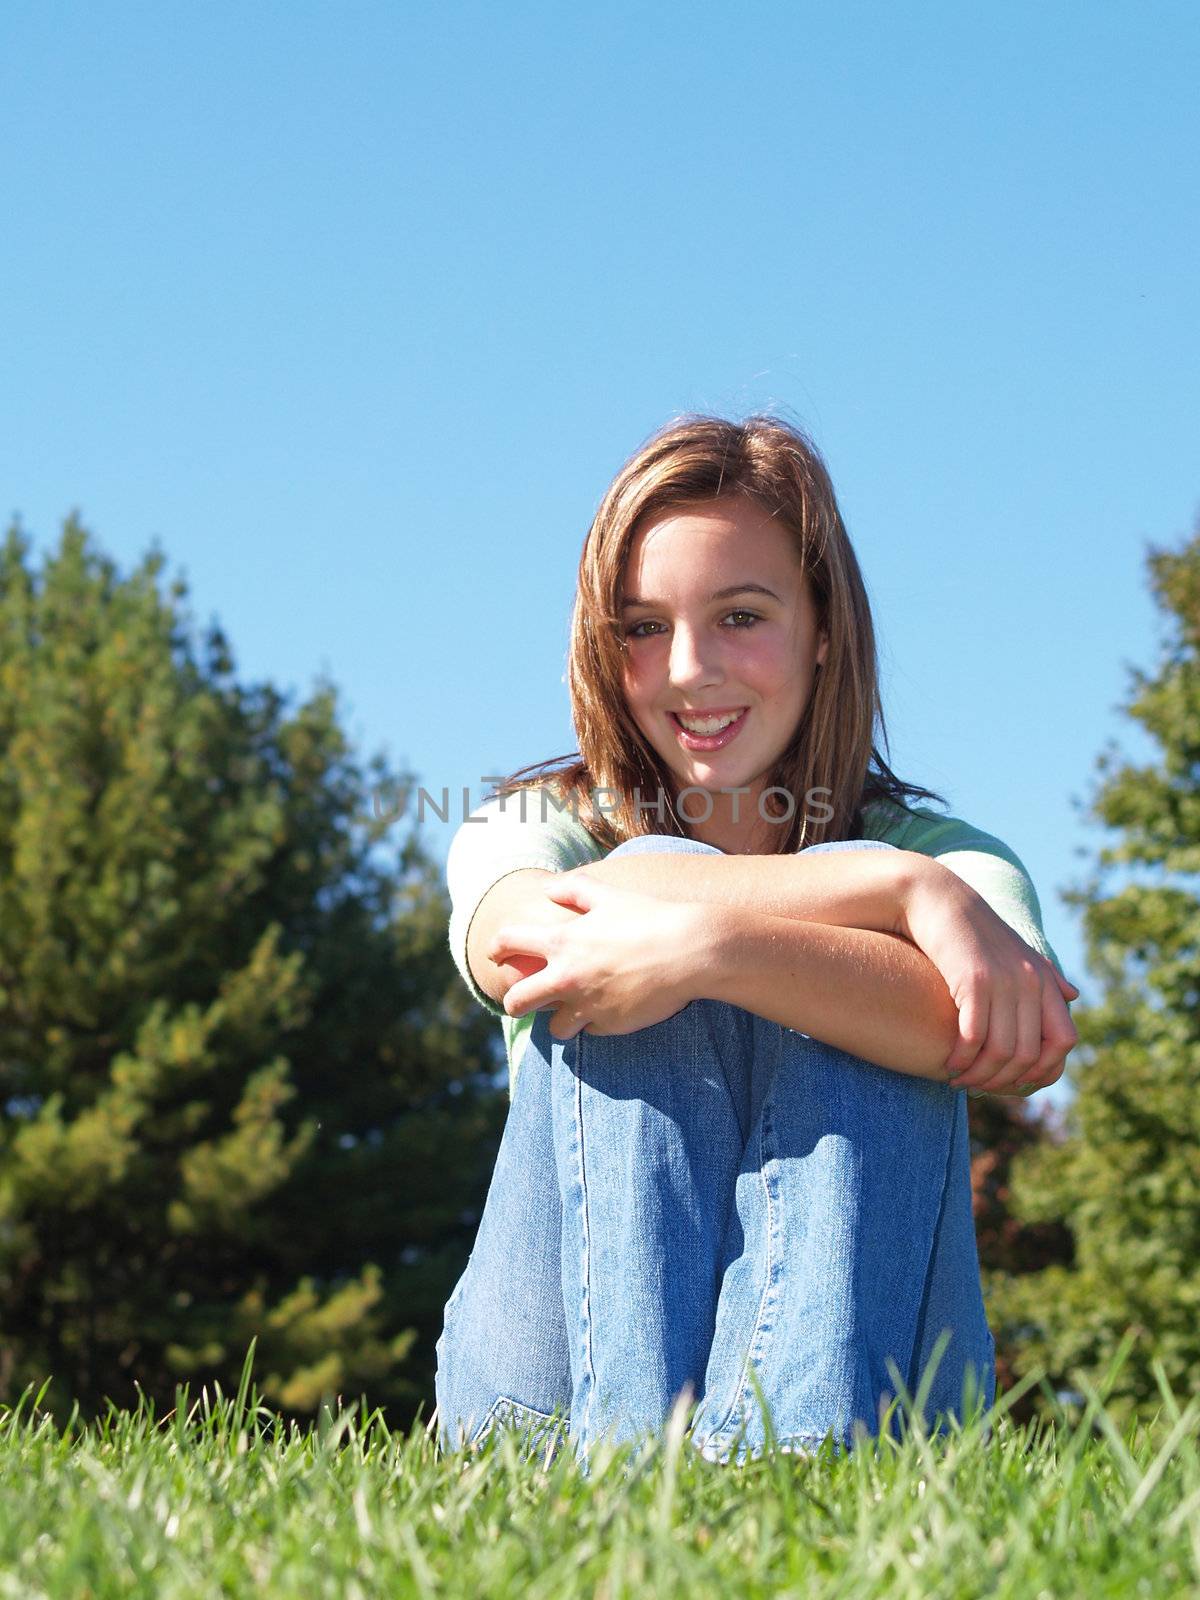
{"points": [[701, 743]]}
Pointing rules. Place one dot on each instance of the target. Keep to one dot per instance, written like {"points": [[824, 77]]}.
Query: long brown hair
{"points": [[832, 755]]}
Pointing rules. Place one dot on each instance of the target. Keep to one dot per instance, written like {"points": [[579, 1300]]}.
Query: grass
{"points": [[219, 1498]]}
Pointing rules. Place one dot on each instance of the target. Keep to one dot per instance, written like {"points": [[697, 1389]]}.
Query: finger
{"points": [[521, 938], [1059, 1038], [1027, 1046], [1059, 1035], [1069, 989], [566, 1024], [518, 966], [575, 889], [972, 1031], [535, 993], [1016, 1093], [998, 1047]]}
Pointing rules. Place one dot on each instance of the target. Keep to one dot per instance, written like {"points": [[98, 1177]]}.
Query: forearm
{"points": [[871, 994], [837, 888]]}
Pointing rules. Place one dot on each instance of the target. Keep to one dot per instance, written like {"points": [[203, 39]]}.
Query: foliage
{"points": [[1126, 1180], [1002, 1128], [243, 1091]]}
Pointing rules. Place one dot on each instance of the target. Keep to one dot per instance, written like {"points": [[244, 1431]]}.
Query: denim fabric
{"points": [[702, 1205]]}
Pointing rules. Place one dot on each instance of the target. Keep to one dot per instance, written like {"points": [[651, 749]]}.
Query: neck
{"points": [[737, 825]]}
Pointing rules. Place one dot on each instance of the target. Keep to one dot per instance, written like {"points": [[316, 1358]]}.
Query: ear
{"points": [[822, 649]]}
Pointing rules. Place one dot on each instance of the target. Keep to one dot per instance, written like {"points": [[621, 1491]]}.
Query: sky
{"points": [[354, 310]]}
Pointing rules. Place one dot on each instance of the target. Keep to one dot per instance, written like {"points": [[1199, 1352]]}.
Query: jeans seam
{"points": [[913, 1376], [742, 1387], [586, 1308], [722, 1060]]}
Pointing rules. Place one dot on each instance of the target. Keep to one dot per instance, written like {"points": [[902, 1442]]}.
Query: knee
{"points": [[642, 843], [850, 844]]}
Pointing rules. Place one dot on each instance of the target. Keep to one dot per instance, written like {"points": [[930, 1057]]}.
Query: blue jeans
{"points": [[707, 1204]]}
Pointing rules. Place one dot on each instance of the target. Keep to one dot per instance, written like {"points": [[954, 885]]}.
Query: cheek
{"points": [[768, 664], [638, 679], [629, 685]]}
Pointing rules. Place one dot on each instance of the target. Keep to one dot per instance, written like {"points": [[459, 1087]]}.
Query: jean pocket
{"points": [[505, 1412]]}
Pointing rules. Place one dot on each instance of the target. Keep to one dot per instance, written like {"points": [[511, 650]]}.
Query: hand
{"points": [[619, 965], [1014, 1029], [540, 910]]}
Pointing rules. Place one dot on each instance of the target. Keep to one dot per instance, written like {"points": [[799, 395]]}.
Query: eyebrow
{"points": [[721, 594]]}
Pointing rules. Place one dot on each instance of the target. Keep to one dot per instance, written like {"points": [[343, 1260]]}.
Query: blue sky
{"points": [[357, 308]]}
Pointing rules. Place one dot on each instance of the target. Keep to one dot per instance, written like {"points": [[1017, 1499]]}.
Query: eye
{"points": [[747, 620]]}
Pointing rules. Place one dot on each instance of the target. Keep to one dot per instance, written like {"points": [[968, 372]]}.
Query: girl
{"points": [[742, 980]]}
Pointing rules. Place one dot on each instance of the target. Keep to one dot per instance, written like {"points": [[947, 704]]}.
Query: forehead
{"points": [[689, 548]]}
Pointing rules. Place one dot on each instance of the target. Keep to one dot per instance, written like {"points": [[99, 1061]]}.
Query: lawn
{"points": [[220, 1498]]}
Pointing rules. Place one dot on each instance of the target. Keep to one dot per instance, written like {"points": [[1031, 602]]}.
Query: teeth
{"points": [[708, 725]]}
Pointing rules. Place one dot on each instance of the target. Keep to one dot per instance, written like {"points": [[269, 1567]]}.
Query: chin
{"points": [[709, 779]]}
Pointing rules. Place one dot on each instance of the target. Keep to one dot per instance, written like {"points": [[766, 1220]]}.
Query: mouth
{"points": [[716, 740]]}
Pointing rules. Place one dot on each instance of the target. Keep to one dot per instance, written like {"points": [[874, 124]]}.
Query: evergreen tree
{"points": [[1126, 1180], [243, 1093]]}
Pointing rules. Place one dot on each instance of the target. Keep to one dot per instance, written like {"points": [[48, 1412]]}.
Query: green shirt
{"points": [[503, 836]]}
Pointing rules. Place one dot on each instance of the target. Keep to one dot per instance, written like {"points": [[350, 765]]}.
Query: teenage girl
{"points": [[744, 981]]}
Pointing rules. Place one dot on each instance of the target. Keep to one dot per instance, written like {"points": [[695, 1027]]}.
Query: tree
{"points": [[1002, 1129], [244, 1092], [1126, 1180]]}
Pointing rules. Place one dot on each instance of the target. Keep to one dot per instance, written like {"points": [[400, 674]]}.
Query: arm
{"points": [[629, 960], [974, 917], [871, 994], [632, 959], [843, 888], [865, 990]]}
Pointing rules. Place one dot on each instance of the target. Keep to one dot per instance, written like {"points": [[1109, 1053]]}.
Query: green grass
{"points": [[219, 1498]]}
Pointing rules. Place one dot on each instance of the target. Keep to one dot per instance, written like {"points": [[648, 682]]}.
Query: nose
{"points": [[694, 659]]}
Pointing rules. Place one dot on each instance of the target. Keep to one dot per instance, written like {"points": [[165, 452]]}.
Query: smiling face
{"points": [[724, 625]]}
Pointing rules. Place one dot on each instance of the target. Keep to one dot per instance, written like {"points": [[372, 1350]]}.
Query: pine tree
{"points": [[1126, 1180], [244, 1094]]}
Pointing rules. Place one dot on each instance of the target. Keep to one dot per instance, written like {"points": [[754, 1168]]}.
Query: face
{"points": [[724, 625]]}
